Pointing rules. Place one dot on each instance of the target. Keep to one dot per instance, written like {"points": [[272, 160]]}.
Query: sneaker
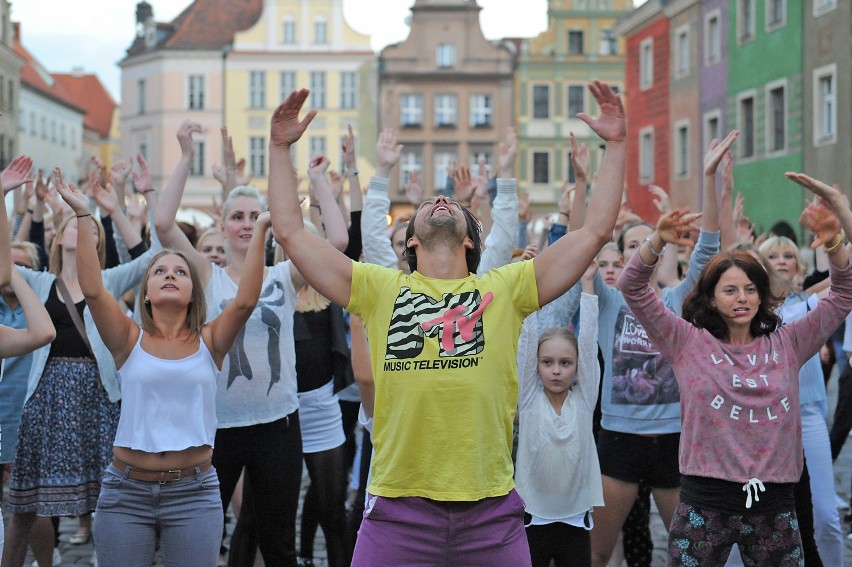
{"points": [[57, 558]]}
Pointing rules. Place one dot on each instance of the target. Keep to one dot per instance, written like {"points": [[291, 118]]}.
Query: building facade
{"points": [[447, 91], [299, 44], [552, 75], [51, 121], [99, 122], [10, 87], [827, 76]]}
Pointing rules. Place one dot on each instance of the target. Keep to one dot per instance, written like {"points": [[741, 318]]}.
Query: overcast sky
{"points": [[94, 34]]}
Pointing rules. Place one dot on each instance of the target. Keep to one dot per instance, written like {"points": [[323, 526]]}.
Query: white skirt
{"points": [[320, 419]]}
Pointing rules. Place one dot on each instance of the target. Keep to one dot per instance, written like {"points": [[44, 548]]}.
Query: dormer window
{"points": [[446, 55]]}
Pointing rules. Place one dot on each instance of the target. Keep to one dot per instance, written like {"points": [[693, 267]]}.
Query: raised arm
{"points": [[562, 264], [107, 200], [826, 226], [169, 202], [350, 172], [327, 269], [39, 330], [377, 246], [727, 229], [5, 239], [667, 271], [362, 368], [502, 237], [710, 202], [332, 218], [113, 325], [580, 161], [223, 330]]}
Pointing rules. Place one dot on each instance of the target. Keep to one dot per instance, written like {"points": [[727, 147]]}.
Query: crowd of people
{"points": [[520, 398]]}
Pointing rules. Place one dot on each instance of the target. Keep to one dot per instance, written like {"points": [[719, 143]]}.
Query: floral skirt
{"points": [[65, 441]]}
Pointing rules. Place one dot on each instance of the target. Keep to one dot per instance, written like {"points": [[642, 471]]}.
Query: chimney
{"points": [[77, 72], [16, 27]]}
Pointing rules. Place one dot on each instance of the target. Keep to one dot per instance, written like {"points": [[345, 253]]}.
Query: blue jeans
{"points": [[186, 513]]}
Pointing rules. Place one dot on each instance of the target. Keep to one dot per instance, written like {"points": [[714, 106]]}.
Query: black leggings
{"points": [[272, 456], [567, 546], [325, 502]]}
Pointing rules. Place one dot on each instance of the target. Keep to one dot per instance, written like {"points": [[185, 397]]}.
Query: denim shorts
{"points": [[187, 514]]}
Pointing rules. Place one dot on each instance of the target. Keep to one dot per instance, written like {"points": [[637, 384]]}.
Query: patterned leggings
{"points": [[702, 538]]}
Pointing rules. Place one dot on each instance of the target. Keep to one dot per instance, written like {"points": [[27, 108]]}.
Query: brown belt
{"points": [[159, 476]]}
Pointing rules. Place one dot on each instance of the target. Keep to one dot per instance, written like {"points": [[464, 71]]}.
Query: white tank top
{"points": [[167, 405]]}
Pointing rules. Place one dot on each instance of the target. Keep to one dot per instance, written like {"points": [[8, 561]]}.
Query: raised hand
{"points": [[219, 174], [819, 218], [530, 252], [387, 150], [286, 128], [610, 123], [566, 198], [481, 181], [832, 195], [318, 167], [78, 202], [42, 186], [579, 158], [18, 172], [717, 151], [142, 180], [463, 186], [120, 171], [263, 222], [228, 156], [104, 196], [508, 151], [184, 136], [336, 183], [661, 198], [242, 176], [728, 174], [414, 189], [524, 207], [672, 226], [348, 148]]}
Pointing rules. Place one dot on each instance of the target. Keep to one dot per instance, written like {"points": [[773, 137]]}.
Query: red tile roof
{"points": [[204, 24], [88, 92], [36, 77]]}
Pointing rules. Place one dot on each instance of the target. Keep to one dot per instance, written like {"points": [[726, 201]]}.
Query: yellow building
{"points": [[299, 44], [551, 78]]}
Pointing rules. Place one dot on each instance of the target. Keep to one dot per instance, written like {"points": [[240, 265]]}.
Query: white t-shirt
{"points": [[257, 383]]}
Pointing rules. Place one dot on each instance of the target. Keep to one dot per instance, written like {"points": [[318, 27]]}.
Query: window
{"points": [[257, 89], [541, 101], [348, 89], [711, 128], [745, 124], [646, 63], [682, 149], [43, 128], [776, 118], [195, 92], [443, 158], [197, 166], [712, 38], [257, 156], [73, 136], [411, 110], [541, 167], [480, 111], [289, 37], [681, 51], [409, 161], [646, 155], [823, 6], [320, 31], [317, 146], [317, 89], [776, 13], [609, 43], [825, 104], [62, 139], [482, 153], [140, 96], [53, 131], [446, 55], [33, 124], [446, 107], [576, 100], [575, 42], [745, 20], [287, 84]]}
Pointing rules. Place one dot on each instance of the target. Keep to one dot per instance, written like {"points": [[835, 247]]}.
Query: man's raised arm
{"points": [[561, 265], [327, 269]]}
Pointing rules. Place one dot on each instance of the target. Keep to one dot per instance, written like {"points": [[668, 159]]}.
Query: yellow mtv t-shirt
{"points": [[444, 362]]}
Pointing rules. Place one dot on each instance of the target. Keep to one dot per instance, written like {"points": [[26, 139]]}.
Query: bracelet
{"points": [[148, 190], [30, 211], [352, 173], [567, 214], [86, 215], [838, 241], [656, 253], [317, 206]]}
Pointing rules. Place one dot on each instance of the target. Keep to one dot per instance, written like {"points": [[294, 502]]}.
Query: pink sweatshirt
{"points": [[740, 416]]}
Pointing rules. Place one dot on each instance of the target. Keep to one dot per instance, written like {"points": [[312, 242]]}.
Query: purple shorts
{"points": [[421, 532]]}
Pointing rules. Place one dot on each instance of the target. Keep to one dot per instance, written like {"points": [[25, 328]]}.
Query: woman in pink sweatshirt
{"points": [[737, 369]]}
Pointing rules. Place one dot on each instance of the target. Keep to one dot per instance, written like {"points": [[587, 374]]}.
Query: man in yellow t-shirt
{"points": [[443, 345]]}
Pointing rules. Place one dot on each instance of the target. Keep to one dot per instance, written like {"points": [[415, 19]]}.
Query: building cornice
{"points": [[638, 18]]}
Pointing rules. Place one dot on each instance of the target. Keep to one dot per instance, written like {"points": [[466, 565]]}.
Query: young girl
{"points": [[557, 472], [161, 482], [738, 372]]}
